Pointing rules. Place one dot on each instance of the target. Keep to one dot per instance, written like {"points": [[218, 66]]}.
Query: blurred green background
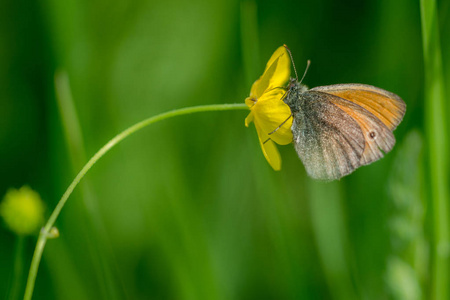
{"points": [[188, 208]]}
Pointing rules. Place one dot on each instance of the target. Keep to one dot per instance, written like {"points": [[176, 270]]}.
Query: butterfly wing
{"points": [[386, 106], [329, 141], [378, 112]]}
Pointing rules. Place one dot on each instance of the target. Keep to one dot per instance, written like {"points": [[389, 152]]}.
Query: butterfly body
{"points": [[339, 128]]}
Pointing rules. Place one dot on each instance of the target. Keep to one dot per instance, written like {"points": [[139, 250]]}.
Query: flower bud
{"points": [[22, 211]]}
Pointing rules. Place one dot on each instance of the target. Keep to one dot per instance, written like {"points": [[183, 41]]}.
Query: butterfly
{"points": [[338, 128]]}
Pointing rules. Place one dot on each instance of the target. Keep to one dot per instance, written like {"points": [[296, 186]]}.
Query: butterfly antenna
{"points": [[292, 60], [306, 70]]}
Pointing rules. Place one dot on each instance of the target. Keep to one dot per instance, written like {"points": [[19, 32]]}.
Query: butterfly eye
{"points": [[372, 134]]}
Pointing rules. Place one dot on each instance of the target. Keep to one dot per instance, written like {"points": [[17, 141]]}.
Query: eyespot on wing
{"points": [[377, 136]]}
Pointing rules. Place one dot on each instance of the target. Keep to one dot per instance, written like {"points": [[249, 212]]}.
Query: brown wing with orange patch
{"points": [[386, 106], [378, 112]]}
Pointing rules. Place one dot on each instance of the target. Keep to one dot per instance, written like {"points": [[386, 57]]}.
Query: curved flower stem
{"points": [[46, 230]]}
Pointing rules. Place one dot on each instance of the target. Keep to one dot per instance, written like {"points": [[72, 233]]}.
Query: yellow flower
{"points": [[268, 111], [22, 210]]}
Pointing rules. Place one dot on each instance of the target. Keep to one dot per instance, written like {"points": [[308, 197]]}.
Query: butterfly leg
{"points": [[290, 116]]}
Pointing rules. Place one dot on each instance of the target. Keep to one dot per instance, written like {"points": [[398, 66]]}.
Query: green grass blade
{"points": [[437, 147], [98, 241], [16, 286], [250, 41], [408, 261], [330, 231]]}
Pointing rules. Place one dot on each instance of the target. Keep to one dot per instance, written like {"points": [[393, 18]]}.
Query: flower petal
{"points": [[278, 53], [272, 118], [271, 154], [276, 74], [249, 119], [250, 101]]}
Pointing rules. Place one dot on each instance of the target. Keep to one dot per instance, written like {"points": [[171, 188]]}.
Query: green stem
{"points": [[18, 269], [45, 232], [436, 126]]}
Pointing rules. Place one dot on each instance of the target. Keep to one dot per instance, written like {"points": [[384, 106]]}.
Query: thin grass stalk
{"points": [[330, 232], [436, 130], [16, 288], [97, 242]]}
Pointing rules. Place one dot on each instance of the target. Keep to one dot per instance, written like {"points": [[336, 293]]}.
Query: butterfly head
{"points": [[293, 94]]}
